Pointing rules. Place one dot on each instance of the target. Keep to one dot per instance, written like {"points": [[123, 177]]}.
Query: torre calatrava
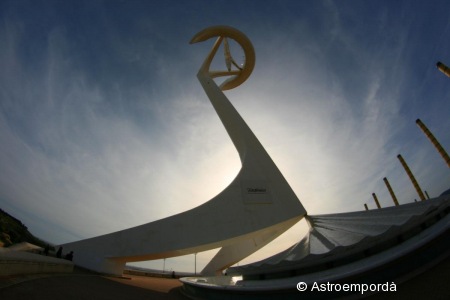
{"points": [[373, 246], [257, 207]]}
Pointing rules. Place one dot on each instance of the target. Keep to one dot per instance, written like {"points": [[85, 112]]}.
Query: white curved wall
{"points": [[253, 210]]}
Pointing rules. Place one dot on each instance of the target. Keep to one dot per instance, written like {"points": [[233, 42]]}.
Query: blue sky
{"points": [[104, 126]]}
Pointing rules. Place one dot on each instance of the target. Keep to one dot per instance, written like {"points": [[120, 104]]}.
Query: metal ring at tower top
{"points": [[238, 76]]}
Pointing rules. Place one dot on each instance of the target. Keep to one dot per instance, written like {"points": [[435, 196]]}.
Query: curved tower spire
{"points": [[260, 180], [253, 210]]}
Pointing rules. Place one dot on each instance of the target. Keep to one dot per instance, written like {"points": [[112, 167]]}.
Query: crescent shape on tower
{"points": [[222, 33]]}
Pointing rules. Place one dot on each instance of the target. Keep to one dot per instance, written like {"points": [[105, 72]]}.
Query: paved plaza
{"points": [[81, 285]]}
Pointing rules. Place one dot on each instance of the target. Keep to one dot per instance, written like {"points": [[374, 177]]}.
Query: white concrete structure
{"points": [[253, 210], [338, 239], [17, 262], [391, 244]]}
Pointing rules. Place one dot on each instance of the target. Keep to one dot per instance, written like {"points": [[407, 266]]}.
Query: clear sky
{"points": [[104, 126]]}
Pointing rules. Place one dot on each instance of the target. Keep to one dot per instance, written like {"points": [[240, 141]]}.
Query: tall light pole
{"points": [[411, 176], [376, 200], [443, 68], [390, 191], [434, 141]]}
